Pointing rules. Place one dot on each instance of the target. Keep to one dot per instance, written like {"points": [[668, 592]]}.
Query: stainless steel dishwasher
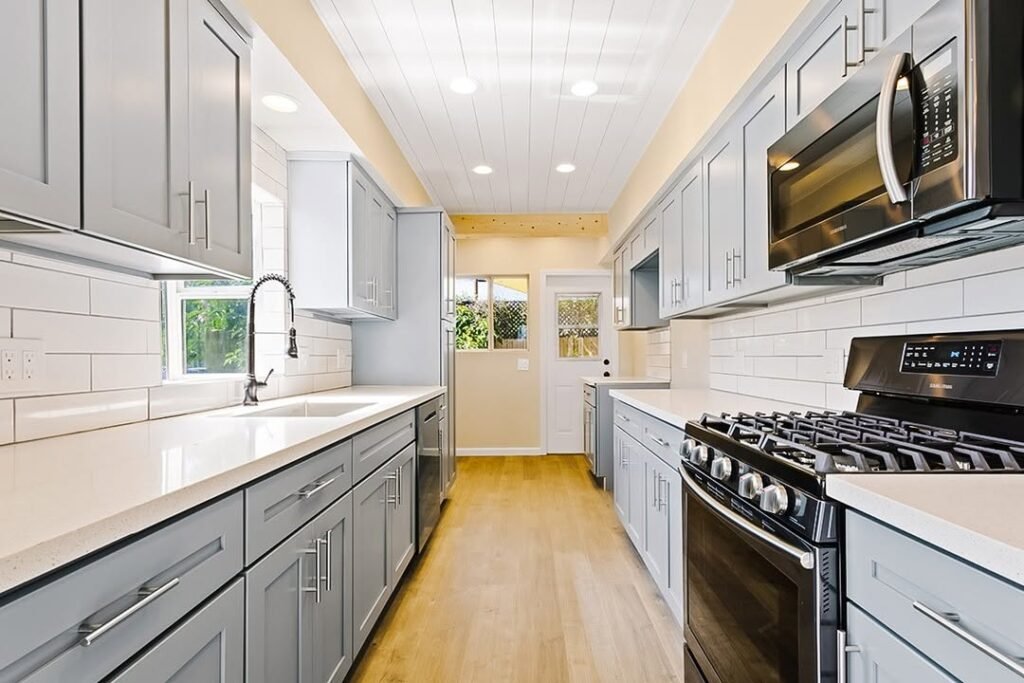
{"points": [[428, 468]]}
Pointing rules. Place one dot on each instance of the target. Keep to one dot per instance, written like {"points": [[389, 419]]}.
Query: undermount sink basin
{"points": [[304, 409]]}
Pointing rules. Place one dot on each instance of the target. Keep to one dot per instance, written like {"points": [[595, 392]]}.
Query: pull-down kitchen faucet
{"points": [[251, 383]]}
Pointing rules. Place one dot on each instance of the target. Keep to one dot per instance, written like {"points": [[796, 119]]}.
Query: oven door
{"points": [[754, 607]]}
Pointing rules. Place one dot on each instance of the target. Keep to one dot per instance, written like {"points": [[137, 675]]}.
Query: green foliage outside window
{"points": [[215, 335], [470, 324]]}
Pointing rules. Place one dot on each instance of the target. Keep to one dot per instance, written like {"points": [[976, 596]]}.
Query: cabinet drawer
{"points": [[209, 646], [590, 394], [881, 656], [276, 507], [124, 599], [630, 420], [663, 440], [915, 590], [377, 445]]}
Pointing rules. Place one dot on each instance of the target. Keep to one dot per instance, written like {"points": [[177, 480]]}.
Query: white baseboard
{"points": [[498, 451]]}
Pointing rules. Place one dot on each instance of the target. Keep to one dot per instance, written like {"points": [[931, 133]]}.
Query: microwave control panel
{"points": [[973, 358], [936, 86]]}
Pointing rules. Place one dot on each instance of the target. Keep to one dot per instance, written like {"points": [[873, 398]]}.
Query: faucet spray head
{"points": [[293, 347]]}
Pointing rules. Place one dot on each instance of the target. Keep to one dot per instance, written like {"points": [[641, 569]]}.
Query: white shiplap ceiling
{"points": [[522, 120]]}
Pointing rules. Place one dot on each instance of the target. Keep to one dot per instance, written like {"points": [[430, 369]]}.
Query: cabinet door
{"points": [[39, 125], [447, 270], [674, 575], [655, 550], [220, 141], [135, 122], [881, 657], [626, 279], [280, 599], [635, 454], [691, 210], [761, 123], [402, 530], [820, 64], [332, 641], [374, 232], [371, 572], [722, 215], [617, 273], [890, 19], [388, 265], [209, 646], [360, 195], [620, 476], [670, 258]]}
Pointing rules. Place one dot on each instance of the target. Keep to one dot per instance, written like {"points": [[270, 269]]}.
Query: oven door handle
{"points": [[883, 130], [805, 558]]}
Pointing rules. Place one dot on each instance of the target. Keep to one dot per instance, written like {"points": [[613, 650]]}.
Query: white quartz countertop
{"points": [[65, 497], [677, 406], [612, 381], [976, 517]]}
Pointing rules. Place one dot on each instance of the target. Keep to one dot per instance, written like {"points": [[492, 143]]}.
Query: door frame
{"points": [[546, 346]]}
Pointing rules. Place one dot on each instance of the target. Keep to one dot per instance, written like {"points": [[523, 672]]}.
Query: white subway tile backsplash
{"points": [[339, 330], [989, 262], [840, 339], [48, 290], [791, 391], [296, 384], [5, 322], [65, 374], [800, 344], [944, 300], [775, 323], [6, 422], [723, 382], [891, 283], [723, 347], [828, 316], [995, 293], [1004, 321], [838, 397], [37, 418], [780, 367], [66, 333], [756, 346], [86, 271], [178, 398], [323, 382], [125, 371], [118, 300], [732, 327]]}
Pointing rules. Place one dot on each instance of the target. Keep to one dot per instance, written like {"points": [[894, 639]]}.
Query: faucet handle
{"points": [[267, 379]]}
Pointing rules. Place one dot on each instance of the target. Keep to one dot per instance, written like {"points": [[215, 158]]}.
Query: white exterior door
{"points": [[578, 341]]}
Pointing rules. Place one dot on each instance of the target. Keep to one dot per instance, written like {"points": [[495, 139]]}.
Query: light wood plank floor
{"points": [[529, 577]]}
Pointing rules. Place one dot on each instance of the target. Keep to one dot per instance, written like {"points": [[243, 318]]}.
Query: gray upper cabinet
{"points": [[821, 62], [890, 19], [39, 125], [670, 257], [342, 247], [722, 203], [691, 214], [220, 141], [135, 122], [209, 646], [761, 123], [620, 273]]}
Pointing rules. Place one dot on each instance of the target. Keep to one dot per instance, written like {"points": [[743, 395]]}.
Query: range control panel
{"points": [[936, 85], [973, 358]]}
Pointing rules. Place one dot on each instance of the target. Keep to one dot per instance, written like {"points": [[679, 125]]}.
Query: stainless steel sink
{"points": [[304, 409]]}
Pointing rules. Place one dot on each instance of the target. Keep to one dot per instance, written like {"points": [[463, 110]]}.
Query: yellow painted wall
{"points": [[745, 37], [296, 29], [498, 406]]}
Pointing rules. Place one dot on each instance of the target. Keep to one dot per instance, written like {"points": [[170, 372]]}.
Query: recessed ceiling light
{"points": [[583, 88], [483, 169], [463, 85], [280, 103], [790, 166], [565, 168]]}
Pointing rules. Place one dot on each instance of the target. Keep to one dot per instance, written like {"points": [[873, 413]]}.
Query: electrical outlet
{"points": [[29, 364], [8, 365]]}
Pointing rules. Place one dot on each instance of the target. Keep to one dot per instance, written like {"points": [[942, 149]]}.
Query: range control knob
{"points": [[721, 468], [750, 485], [699, 456], [686, 447], [774, 499]]}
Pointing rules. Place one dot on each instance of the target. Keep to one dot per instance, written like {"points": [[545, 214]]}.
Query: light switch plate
{"points": [[522, 364]]}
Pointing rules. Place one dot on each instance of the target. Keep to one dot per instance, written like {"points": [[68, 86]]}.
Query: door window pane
{"points": [[510, 312], [578, 329]]}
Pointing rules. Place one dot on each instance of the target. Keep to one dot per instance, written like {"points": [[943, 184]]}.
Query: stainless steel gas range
{"points": [[764, 585]]}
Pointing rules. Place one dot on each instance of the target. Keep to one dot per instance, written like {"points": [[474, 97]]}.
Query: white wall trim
{"points": [[498, 451]]}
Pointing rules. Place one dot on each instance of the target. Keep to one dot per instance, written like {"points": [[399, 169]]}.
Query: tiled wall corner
{"points": [[797, 352], [659, 354]]}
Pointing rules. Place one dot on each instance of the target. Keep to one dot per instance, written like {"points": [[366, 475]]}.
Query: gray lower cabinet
{"points": [[208, 647], [878, 656], [636, 518], [620, 489], [402, 534], [298, 603], [655, 547], [372, 501], [39, 121]]}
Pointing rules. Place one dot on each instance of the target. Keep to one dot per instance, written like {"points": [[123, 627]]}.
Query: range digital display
{"points": [[975, 358]]}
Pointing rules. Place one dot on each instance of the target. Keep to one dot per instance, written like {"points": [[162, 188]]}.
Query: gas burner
{"points": [[841, 442]]}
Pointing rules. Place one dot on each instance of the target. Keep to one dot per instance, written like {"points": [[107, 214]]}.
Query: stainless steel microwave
{"points": [[916, 158]]}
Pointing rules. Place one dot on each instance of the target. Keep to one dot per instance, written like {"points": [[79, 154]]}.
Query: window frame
{"points": [[490, 311], [175, 294]]}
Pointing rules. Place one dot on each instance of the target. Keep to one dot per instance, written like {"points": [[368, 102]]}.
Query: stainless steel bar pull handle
{"points": [[883, 130], [728, 270], [315, 488], [658, 440], [206, 212], [317, 578], [330, 574], [951, 622], [191, 222], [93, 632], [806, 558]]}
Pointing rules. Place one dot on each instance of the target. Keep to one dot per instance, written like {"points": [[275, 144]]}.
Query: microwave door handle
{"points": [[883, 130]]}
